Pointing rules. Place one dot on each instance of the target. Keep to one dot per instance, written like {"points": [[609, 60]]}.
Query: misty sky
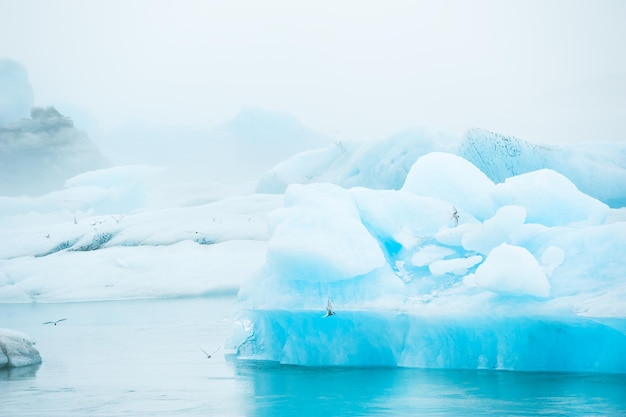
{"points": [[539, 70]]}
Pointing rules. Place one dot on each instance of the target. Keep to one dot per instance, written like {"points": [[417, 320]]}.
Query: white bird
{"points": [[455, 216], [54, 322], [329, 309], [209, 355]]}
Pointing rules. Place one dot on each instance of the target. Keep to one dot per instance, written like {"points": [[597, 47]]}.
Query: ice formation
{"points": [[38, 153], [596, 168], [530, 278], [17, 349], [109, 235], [486, 252]]}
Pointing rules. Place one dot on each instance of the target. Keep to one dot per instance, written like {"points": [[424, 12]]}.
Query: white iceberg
{"points": [[17, 349]]}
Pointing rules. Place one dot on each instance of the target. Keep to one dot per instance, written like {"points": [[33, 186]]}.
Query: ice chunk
{"points": [[500, 228], [549, 199], [402, 218], [129, 272], [73, 256], [512, 270], [597, 168], [319, 237], [304, 168], [453, 179], [471, 295], [377, 164], [17, 349]]}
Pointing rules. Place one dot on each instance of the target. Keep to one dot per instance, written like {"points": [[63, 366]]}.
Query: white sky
{"points": [[540, 70]]}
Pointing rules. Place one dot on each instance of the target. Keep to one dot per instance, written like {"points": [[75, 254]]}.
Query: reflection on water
{"points": [[290, 390], [8, 374], [144, 358]]}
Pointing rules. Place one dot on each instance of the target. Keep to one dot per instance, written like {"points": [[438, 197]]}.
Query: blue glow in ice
{"points": [[449, 271]]}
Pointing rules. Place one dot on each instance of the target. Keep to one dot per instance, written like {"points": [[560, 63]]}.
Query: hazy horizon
{"points": [[541, 71]]}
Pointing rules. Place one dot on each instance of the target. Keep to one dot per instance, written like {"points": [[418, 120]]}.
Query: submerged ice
{"points": [[451, 270]]}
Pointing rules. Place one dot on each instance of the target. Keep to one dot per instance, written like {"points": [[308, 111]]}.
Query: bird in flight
{"points": [[329, 309], [209, 355], [54, 322]]}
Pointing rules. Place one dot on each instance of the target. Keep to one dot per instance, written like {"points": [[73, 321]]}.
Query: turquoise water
{"points": [[143, 358]]}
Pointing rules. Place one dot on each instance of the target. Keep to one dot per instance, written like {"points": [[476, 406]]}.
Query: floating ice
{"points": [[17, 349], [388, 338], [67, 254], [428, 261], [596, 168], [527, 278]]}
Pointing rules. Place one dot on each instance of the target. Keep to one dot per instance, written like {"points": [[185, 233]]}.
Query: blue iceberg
{"points": [[450, 270]]}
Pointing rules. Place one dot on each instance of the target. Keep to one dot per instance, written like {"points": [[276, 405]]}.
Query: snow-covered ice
{"points": [[531, 278], [17, 349], [433, 252], [112, 244]]}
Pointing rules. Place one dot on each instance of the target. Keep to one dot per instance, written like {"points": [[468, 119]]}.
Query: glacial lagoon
{"points": [[144, 358]]}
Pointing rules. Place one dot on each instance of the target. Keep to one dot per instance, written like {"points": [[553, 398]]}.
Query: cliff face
{"points": [[38, 154]]}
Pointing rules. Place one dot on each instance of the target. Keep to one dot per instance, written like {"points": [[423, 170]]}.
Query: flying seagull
{"points": [[54, 322], [209, 355], [329, 310]]}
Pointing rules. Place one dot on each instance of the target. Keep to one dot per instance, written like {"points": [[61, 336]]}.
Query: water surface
{"points": [[143, 358]]}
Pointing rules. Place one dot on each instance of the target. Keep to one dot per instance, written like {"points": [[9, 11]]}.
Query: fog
{"points": [[545, 72], [219, 90]]}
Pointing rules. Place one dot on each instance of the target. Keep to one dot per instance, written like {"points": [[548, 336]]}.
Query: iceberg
{"points": [[17, 349], [597, 169], [432, 253], [450, 270], [38, 153], [102, 238]]}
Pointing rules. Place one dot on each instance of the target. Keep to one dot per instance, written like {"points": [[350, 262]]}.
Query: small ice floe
{"points": [[17, 349]]}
